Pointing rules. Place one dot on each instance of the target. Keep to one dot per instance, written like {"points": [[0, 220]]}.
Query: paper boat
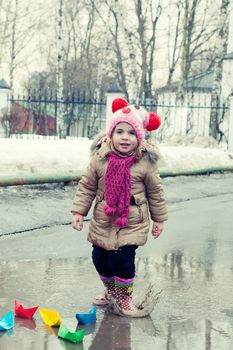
{"points": [[74, 337], [88, 318], [7, 321], [50, 317], [21, 311]]}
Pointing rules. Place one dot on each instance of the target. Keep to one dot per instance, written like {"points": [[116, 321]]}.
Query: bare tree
{"points": [[71, 12], [21, 29], [133, 43], [5, 9], [188, 28], [147, 22], [173, 40], [140, 43], [10, 120], [13, 43], [87, 46], [221, 50], [115, 31], [198, 31], [59, 73]]}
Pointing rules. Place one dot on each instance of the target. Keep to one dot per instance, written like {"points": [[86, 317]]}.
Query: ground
{"points": [[43, 261]]}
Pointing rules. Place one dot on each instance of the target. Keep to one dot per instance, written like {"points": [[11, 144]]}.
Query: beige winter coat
{"points": [[147, 196]]}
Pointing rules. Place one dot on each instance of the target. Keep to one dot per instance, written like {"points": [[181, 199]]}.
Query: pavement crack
{"points": [[201, 196], [41, 227], [25, 230]]}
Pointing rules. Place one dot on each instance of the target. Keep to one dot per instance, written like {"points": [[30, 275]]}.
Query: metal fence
{"points": [[38, 115], [192, 122], [85, 117], [188, 120]]}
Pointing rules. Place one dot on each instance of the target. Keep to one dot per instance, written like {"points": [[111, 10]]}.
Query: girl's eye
{"points": [[132, 132], [119, 131]]}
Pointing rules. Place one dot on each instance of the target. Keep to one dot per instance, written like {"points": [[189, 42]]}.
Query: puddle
{"points": [[194, 312]]}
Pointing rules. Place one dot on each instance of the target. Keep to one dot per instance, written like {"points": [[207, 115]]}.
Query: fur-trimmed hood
{"points": [[101, 144]]}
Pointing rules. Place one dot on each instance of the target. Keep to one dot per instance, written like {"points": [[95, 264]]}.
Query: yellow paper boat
{"points": [[50, 317]]}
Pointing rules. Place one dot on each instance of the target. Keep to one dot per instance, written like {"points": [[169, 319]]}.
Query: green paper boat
{"points": [[74, 337]]}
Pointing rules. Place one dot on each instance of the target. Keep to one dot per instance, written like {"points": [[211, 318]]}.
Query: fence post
{"points": [[113, 92], [230, 138]]}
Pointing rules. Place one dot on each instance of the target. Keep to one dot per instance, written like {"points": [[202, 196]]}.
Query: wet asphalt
{"points": [[44, 262]]}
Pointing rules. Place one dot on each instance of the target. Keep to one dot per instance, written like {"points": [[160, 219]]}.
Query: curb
{"points": [[198, 171], [68, 177]]}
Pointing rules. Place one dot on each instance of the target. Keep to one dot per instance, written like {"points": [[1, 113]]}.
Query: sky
{"points": [[24, 157]]}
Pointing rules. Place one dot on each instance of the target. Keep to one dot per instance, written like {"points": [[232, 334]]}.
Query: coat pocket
{"points": [[98, 213], [98, 200], [138, 209]]}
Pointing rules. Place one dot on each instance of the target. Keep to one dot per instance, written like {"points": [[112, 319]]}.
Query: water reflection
{"points": [[26, 323], [8, 332], [113, 333], [195, 307], [177, 266], [203, 335], [71, 346], [176, 270], [89, 329], [50, 330]]}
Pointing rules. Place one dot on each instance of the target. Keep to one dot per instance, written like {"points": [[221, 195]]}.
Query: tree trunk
{"points": [[13, 39], [221, 51], [61, 129]]}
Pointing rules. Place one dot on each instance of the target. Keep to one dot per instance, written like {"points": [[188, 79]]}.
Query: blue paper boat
{"points": [[7, 321], [88, 318]]}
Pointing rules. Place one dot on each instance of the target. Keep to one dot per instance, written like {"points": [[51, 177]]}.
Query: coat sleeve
{"points": [[86, 191], [155, 194]]}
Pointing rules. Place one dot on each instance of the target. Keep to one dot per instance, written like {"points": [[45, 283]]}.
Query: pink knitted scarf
{"points": [[118, 187]]}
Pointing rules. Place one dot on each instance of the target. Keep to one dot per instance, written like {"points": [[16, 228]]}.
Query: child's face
{"points": [[124, 138]]}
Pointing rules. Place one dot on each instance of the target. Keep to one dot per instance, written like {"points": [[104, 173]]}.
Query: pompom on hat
{"points": [[135, 115]]}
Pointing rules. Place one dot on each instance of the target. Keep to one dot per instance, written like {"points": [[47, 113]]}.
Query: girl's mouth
{"points": [[125, 144]]}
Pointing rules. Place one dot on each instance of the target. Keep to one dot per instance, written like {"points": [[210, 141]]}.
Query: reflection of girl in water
{"points": [[124, 179], [113, 333]]}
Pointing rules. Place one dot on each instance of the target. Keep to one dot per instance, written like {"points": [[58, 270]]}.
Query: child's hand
{"points": [[157, 229], [77, 222]]}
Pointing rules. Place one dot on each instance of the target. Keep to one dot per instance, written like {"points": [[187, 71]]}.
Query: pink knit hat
{"points": [[135, 115]]}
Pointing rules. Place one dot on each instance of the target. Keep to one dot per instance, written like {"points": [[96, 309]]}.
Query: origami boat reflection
{"points": [[21, 311], [25, 322], [50, 317], [50, 330], [88, 318], [74, 337], [7, 321]]}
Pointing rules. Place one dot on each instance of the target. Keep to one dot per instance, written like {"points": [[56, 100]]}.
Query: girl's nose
{"points": [[125, 137]]}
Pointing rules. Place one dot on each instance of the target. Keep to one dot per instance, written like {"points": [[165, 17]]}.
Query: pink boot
{"points": [[123, 295], [104, 298]]}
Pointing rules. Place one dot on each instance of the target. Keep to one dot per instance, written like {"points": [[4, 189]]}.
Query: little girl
{"points": [[124, 180]]}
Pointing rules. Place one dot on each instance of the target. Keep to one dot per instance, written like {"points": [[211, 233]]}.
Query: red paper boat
{"points": [[22, 312]]}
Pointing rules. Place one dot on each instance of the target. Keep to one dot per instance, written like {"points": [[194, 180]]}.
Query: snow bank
{"points": [[190, 158], [20, 157]]}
